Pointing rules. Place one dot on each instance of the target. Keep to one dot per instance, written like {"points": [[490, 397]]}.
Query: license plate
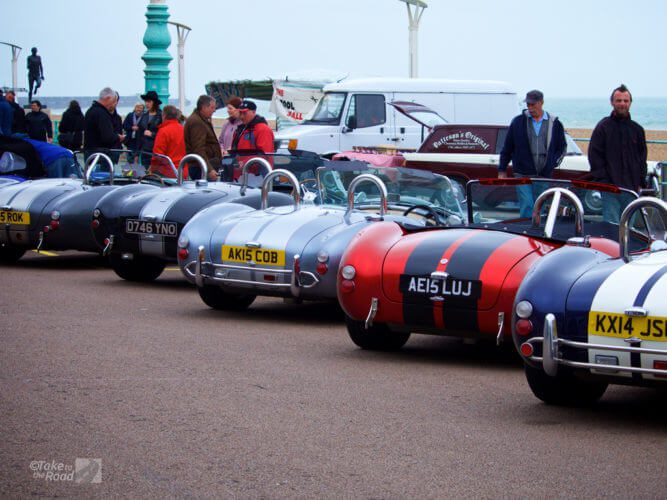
{"points": [[621, 326], [17, 218], [425, 286], [135, 226], [265, 256]]}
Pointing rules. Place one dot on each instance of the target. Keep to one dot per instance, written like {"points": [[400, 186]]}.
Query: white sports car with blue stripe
{"points": [[583, 320]]}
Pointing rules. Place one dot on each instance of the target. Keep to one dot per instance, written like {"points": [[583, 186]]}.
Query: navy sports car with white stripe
{"points": [[582, 320]]}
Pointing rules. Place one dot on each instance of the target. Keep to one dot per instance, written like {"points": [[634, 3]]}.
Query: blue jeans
{"points": [[611, 208]]}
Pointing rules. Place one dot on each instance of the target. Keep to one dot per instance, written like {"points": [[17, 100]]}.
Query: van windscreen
{"points": [[329, 108]]}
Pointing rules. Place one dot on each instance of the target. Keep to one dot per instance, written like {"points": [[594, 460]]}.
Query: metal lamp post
{"points": [[16, 50], [413, 25], [182, 31]]}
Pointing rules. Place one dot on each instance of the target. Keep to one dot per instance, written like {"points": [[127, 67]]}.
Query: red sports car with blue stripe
{"points": [[395, 279]]}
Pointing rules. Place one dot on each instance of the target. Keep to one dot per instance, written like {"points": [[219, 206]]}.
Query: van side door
{"points": [[367, 122]]}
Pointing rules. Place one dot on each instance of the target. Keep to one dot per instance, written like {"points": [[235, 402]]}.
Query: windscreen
{"points": [[329, 108]]}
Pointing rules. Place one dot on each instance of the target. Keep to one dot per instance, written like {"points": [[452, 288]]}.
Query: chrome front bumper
{"points": [[551, 357], [288, 281]]}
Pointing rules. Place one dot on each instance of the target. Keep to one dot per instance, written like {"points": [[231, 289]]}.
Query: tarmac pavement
{"points": [[178, 400]]}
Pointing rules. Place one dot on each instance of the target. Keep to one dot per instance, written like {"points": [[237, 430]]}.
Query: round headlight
{"points": [[322, 256], [55, 215], [96, 213], [183, 242], [348, 272], [524, 309]]}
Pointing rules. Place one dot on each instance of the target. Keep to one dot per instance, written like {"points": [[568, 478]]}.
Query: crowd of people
{"points": [[148, 133]]}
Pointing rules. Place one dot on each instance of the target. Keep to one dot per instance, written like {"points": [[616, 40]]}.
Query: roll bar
{"points": [[244, 171], [556, 193], [187, 158], [171, 163], [90, 164], [624, 224], [373, 179], [268, 183]]}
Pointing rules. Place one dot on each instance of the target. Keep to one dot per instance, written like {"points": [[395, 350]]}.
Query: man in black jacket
{"points": [[38, 124], [617, 152], [99, 133]]}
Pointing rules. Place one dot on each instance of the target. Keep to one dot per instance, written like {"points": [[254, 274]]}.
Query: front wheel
{"points": [[378, 337], [214, 297], [142, 269], [10, 254], [564, 389]]}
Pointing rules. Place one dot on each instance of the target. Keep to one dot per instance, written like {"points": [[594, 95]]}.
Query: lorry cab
{"points": [[359, 112]]}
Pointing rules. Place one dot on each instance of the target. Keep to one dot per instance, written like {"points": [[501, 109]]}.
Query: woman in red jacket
{"points": [[170, 141]]}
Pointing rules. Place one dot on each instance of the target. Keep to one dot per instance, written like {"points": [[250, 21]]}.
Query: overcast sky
{"points": [[567, 48]]}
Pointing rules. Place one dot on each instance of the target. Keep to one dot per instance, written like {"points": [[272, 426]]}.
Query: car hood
{"points": [[476, 263], [279, 228]]}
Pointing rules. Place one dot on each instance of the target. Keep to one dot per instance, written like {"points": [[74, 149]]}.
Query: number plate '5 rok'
{"points": [[18, 218], [265, 256], [135, 226]]}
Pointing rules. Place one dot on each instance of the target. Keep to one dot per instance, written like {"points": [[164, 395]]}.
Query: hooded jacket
{"points": [[256, 135]]}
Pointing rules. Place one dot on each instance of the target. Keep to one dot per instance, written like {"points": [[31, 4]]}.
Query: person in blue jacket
{"points": [[6, 116], [535, 144], [58, 161]]}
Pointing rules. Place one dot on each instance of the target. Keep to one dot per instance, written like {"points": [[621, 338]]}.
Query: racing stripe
{"points": [[426, 256], [467, 263], [646, 288], [157, 206]]}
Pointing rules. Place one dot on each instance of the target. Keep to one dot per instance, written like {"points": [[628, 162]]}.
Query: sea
{"points": [[580, 112]]}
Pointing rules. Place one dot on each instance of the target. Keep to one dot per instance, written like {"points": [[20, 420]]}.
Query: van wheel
{"points": [[142, 269], [10, 254], [214, 297], [564, 389], [378, 337]]}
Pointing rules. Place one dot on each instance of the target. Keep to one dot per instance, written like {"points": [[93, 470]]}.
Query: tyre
{"points": [[214, 297], [142, 269], [564, 389], [375, 338], [10, 254]]}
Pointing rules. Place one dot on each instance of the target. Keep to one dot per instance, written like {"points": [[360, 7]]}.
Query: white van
{"points": [[357, 112]]}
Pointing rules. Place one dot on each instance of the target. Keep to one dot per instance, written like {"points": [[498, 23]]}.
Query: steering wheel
{"points": [[430, 213], [151, 177], [309, 184]]}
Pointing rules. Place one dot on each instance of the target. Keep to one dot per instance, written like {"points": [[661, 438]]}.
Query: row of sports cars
{"points": [[403, 251]]}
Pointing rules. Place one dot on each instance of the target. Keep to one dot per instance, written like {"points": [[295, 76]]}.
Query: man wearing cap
{"points": [[535, 144], [200, 139], [255, 133]]}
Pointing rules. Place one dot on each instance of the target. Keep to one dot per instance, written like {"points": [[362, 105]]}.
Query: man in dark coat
{"points": [[6, 116], [617, 152], [38, 124], [18, 123], [200, 139], [535, 143], [99, 133]]}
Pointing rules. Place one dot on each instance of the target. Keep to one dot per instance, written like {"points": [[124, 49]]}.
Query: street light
{"points": [[182, 31], [413, 26], [15, 57]]}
